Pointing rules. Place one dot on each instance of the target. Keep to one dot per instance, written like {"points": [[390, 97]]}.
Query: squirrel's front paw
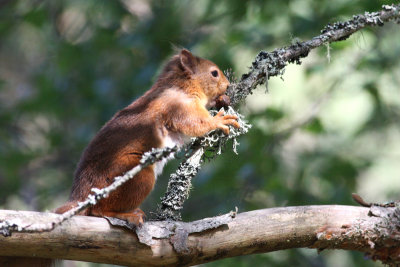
{"points": [[224, 120]]}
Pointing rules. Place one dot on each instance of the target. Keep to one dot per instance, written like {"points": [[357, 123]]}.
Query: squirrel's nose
{"points": [[227, 83]]}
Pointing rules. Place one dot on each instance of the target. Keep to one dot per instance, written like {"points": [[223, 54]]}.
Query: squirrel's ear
{"points": [[188, 61]]}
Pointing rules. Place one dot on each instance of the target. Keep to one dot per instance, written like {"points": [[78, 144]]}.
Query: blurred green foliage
{"points": [[329, 128]]}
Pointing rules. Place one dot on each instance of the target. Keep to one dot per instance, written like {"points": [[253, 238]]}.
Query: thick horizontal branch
{"points": [[374, 231]]}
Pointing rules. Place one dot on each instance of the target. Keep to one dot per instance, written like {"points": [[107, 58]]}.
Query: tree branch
{"points": [[374, 231], [268, 64]]}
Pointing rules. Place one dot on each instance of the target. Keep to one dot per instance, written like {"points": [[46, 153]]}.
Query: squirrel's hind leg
{"points": [[136, 217]]}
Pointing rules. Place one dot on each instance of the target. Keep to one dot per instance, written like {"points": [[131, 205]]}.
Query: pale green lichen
{"points": [[180, 181]]}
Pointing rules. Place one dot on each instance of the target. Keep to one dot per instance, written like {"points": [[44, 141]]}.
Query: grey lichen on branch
{"points": [[202, 148], [176, 231], [269, 64]]}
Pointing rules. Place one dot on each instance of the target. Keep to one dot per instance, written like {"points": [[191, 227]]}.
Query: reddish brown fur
{"points": [[175, 105]]}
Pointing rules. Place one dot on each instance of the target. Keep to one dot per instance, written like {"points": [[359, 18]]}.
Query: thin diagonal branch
{"points": [[269, 64], [8, 226]]}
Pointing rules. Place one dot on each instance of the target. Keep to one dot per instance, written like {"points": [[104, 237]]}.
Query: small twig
{"points": [[357, 198], [328, 52]]}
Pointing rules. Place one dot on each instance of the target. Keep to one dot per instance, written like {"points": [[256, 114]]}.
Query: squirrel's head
{"points": [[204, 72], [197, 74]]}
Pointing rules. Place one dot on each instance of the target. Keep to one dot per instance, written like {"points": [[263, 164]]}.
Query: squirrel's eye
{"points": [[214, 73]]}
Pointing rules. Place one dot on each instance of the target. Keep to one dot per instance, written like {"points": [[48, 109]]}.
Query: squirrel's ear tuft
{"points": [[188, 61]]}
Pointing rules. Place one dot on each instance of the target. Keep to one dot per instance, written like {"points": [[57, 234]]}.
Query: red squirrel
{"points": [[172, 111]]}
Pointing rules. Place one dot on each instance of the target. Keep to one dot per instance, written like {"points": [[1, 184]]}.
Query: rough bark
{"points": [[374, 231]]}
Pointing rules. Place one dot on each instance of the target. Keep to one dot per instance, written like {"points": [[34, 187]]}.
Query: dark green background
{"points": [[67, 66]]}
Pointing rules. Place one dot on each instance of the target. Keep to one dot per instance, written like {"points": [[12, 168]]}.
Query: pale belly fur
{"points": [[170, 140]]}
